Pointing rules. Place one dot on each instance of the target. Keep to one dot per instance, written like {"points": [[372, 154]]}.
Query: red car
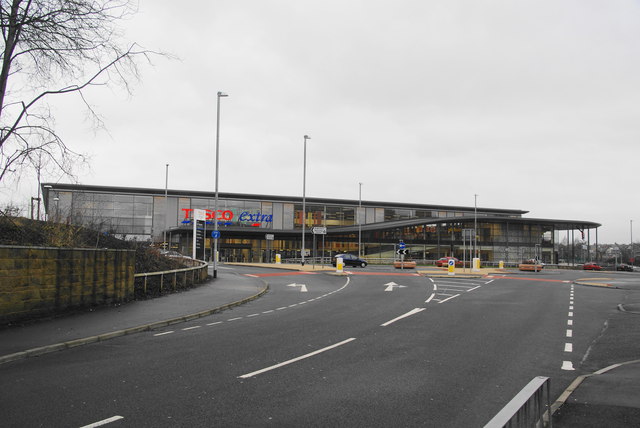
{"points": [[591, 266], [444, 261]]}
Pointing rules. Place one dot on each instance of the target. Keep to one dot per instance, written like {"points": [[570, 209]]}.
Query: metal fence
{"points": [[153, 283], [527, 409]]}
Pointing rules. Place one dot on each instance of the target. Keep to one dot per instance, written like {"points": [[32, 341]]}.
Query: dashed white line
{"points": [[253, 315], [568, 347], [281, 308], [569, 322], [570, 314], [215, 323], [268, 312], [191, 328], [569, 333], [103, 422], [448, 298], [234, 319], [162, 334], [293, 360], [567, 365], [408, 314]]}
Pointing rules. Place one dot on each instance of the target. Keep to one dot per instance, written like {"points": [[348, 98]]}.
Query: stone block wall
{"points": [[36, 281]]}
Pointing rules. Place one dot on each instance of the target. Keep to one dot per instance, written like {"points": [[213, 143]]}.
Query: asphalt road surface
{"points": [[374, 348]]}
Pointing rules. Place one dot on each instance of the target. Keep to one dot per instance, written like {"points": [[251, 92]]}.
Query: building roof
{"points": [[275, 198]]}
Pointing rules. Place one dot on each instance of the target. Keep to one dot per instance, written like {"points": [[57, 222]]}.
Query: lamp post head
{"points": [[306, 137], [222, 94]]}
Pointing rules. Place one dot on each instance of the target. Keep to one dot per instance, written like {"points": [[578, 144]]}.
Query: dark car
{"points": [[444, 262], [349, 260], [624, 267], [591, 266]]}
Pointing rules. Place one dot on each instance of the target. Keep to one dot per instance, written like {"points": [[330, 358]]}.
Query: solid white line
{"points": [[474, 288], [162, 334], [408, 314], [103, 422], [430, 297], [490, 281], [302, 357], [435, 287], [567, 365], [191, 328], [431, 279], [215, 323], [448, 298], [568, 347]]}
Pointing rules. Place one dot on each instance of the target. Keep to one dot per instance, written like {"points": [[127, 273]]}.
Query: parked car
{"points": [[444, 262], [591, 266], [624, 267], [349, 260]]}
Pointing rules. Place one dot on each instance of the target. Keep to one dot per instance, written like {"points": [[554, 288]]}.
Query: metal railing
{"points": [[189, 276], [528, 408]]}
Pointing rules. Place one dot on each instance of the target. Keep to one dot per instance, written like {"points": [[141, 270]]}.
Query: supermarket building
{"points": [[253, 228]]}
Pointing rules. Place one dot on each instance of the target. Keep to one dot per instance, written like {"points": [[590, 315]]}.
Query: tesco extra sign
{"points": [[227, 217]]}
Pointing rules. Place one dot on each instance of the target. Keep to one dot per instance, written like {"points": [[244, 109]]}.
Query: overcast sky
{"points": [[531, 105]]}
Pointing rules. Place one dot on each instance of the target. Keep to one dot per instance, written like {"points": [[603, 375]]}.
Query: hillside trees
{"points": [[53, 48]]}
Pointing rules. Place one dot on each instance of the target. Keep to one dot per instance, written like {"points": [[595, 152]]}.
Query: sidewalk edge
{"points": [[33, 352]]}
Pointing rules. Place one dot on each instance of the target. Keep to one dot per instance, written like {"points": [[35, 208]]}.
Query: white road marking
{"points": [[268, 312], [162, 334], [473, 288], [448, 298], [569, 333], [570, 308], [490, 281], [302, 357], [252, 315], [215, 323], [281, 308], [103, 422], [567, 365], [570, 314], [430, 297], [234, 319], [568, 347], [569, 322], [408, 314], [191, 328]]}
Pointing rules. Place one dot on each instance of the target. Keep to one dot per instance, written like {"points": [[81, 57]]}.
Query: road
{"points": [[374, 348]]}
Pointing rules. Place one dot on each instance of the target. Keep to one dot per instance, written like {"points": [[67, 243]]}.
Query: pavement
{"points": [[609, 397]]}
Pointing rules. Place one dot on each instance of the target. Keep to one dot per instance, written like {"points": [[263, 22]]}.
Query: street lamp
{"points": [[304, 190], [215, 205], [475, 225], [166, 208], [359, 222]]}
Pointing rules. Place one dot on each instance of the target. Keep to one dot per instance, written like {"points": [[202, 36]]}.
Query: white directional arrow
{"points": [[392, 284], [303, 287]]}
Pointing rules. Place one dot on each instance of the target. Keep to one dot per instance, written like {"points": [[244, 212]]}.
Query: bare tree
{"points": [[52, 48]]}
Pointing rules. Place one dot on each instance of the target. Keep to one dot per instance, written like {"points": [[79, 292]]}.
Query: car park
{"points": [[624, 267], [591, 266], [349, 260], [444, 261]]}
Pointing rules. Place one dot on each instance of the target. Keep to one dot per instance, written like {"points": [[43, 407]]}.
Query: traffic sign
{"points": [[215, 234], [402, 252], [451, 262], [319, 230], [402, 245]]}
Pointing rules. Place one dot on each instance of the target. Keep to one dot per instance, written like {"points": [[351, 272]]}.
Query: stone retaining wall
{"points": [[36, 281]]}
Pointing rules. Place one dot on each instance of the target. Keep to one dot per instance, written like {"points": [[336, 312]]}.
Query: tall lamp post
{"points": [[166, 208], [304, 191], [215, 204], [475, 225], [632, 254], [359, 222]]}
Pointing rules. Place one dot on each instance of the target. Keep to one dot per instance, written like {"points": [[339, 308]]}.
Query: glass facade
{"points": [[245, 220]]}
